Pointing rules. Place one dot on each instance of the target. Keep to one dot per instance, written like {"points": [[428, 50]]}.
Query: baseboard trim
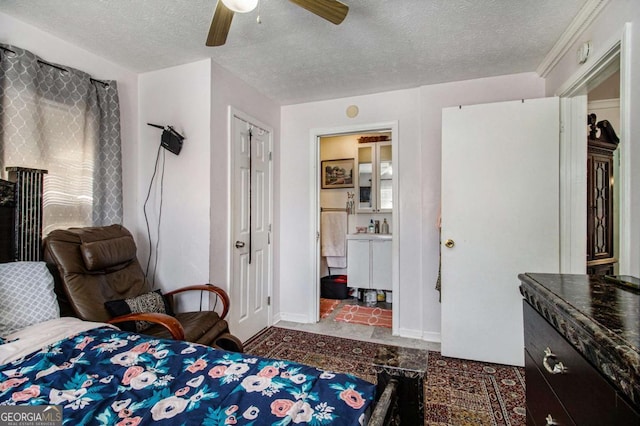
{"points": [[409, 333], [431, 336], [285, 316], [427, 336]]}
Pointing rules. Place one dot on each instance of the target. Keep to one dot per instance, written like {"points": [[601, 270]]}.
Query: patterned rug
{"points": [[365, 315], [462, 392], [326, 352], [457, 392], [327, 306]]}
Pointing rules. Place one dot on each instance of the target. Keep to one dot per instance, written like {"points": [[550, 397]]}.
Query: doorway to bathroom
{"points": [[356, 246]]}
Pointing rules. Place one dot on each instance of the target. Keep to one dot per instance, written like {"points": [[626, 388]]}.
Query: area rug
{"points": [[329, 353], [365, 315], [457, 392], [462, 392], [327, 306]]}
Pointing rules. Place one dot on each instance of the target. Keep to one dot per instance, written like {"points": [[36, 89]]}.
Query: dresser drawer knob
{"points": [[559, 368], [550, 421]]}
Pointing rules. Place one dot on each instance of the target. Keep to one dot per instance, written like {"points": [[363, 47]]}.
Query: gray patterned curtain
{"points": [[60, 119]]}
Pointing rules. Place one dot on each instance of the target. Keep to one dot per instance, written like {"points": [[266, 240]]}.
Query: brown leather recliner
{"points": [[95, 265]]}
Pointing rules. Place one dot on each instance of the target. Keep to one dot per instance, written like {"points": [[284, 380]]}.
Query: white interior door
{"points": [[500, 192], [251, 233]]}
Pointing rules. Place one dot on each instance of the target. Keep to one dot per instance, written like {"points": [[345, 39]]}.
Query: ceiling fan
{"points": [[332, 10]]}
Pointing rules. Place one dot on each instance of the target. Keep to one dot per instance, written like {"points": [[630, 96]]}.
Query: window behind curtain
{"points": [[62, 121]]}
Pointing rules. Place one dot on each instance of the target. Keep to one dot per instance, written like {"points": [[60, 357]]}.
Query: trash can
{"points": [[334, 287]]}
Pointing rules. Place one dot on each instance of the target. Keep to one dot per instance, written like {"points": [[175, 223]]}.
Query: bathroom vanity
{"points": [[369, 261], [582, 350]]}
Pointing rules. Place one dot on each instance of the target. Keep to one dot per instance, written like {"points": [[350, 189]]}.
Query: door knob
{"points": [[449, 243], [239, 244]]}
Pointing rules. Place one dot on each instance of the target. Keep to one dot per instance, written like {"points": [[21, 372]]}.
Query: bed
{"points": [[101, 375], [97, 374]]}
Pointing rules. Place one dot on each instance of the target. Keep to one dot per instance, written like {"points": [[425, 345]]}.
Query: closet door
{"points": [[500, 217], [251, 254]]}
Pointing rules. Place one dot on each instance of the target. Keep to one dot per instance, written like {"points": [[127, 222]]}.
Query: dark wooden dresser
{"points": [[582, 351]]}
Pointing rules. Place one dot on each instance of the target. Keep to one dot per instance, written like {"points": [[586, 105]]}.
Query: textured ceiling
{"points": [[294, 56]]}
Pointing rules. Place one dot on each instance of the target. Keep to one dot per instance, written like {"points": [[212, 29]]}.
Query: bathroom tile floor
{"points": [[329, 327]]}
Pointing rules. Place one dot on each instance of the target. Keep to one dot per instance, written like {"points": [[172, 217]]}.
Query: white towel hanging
{"points": [[333, 244]]}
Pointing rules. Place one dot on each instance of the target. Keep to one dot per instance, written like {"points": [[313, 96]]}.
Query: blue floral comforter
{"points": [[108, 377]]}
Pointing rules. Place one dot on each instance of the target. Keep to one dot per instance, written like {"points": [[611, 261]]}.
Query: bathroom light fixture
{"points": [[241, 6]]}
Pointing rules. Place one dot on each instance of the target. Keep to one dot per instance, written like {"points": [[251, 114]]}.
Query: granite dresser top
{"points": [[599, 318]]}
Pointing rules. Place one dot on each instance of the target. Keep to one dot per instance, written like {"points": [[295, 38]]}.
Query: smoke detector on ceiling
{"points": [[352, 111], [583, 52]]}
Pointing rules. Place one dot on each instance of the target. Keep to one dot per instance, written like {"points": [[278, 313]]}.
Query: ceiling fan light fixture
{"points": [[240, 6]]}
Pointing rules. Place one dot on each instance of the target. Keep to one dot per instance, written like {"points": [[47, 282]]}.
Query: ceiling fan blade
{"points": [[219, 25], [332, 10]]}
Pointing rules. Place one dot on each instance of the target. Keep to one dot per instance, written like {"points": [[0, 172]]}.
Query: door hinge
{"points": [[270, 156], [268, 300]]}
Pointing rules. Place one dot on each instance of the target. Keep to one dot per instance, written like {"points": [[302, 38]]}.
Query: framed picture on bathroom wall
{"points": [[337, 173]]}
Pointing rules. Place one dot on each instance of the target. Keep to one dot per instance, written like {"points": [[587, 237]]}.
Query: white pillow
{"points": [[26, 295]]}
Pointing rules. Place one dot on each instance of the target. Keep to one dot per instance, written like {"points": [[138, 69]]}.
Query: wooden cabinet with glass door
{"points": [[375, 178], [601, 204]]}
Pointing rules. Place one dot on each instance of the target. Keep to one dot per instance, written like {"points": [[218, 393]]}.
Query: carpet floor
{"points": [[457, 392]]}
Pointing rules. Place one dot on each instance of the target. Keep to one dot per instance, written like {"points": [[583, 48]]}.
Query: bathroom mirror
{"points": [[375, 177]]}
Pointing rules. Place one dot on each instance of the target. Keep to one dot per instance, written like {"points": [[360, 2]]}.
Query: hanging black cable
{"points": [[172, 141], [155, 263], [144, 209]]}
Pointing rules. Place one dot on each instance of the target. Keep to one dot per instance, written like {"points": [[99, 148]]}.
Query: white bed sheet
{"points": [[37, 336]]}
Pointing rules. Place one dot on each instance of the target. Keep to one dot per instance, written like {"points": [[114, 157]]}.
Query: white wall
{"points": [[181, 97], [53, 49], [174, 96], [418, 112], [194, 98], [605, 28], [297, 169]]}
